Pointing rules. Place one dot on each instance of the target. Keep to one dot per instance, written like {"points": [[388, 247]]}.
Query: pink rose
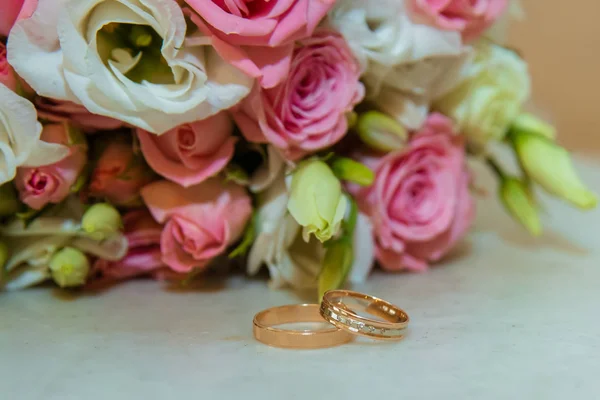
{"points": [[143, 256], [7, 74], [190, 153], [9, 10], [307, 112], [119, 175], [200, 221], [61, 110], [258, 36], [52, 183], [420, 203], [470, 17]]}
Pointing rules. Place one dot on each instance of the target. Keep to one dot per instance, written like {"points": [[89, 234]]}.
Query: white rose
{"points": [[20, 131], [491, 97], [406, 65], [129, 60], [292, 261]]}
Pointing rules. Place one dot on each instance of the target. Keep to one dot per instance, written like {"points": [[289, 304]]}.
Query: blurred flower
{"points": [[200, 221], [126, 61], [259, 37], [490, 99], [69, 267], [52, 183], [306, 112], [7, 74], [420, 204], [550, 166], [190, 153], [470, 18], [316, 200], [101, 221], [143, 255], [119, 175], [20, 143], [32, 245], [380, 132], [406, 65]]}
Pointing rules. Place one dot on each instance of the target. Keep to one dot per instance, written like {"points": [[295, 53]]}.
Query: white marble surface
{"points": [[509, 317]]}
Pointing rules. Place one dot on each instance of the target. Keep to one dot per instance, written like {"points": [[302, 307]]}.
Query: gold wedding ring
{"points": [[267, 332], [338, 307]]}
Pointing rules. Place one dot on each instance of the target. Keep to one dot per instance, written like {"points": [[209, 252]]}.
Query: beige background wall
{"points": [[561, 41]]}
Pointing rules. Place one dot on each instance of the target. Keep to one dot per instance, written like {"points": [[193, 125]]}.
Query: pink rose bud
{"points": [[258, 37], [52, 183], [62, 110], [7, 74], [200, 221], [190, 153], [119, 175], [471, 18], [144, 255], [9, 10], [420, 203], [307, 112]]}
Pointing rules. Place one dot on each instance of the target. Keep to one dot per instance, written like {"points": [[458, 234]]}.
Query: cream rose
{"points": [[129, 60], [406, 65], [490, 99], [20, 131]]}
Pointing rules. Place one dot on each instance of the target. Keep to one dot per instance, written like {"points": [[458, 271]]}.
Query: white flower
{"points": [[279, 243], [20, 131], [32, 246], [406, 65], [497, 85], [127, 59], [292, 261]]}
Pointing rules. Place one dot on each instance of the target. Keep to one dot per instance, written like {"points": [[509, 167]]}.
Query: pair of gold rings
{"points": [[341, 309]]}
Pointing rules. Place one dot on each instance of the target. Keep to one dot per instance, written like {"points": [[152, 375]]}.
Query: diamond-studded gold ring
{"points": [[339, 307]]}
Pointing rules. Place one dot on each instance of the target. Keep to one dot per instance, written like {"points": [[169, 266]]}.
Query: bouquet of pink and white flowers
{"points": [[316, 138]]}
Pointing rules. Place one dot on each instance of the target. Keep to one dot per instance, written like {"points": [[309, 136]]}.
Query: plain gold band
{"points": [[336, 312], [265, 329]]}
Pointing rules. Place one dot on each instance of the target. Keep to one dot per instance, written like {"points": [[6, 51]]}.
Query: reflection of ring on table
{"points": [[265, 330], [335, 308]]}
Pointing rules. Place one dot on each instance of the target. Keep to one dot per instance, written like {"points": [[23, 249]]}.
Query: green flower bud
{"points": [[517, 200], [69, 267], [9, 203], [353, 171], [381, 132], [530, 123], [336, 266], [316, 200], [101, 221], [550, 166]]}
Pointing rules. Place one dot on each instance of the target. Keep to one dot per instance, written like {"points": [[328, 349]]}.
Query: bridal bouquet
{"points": [[316, 138]]}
